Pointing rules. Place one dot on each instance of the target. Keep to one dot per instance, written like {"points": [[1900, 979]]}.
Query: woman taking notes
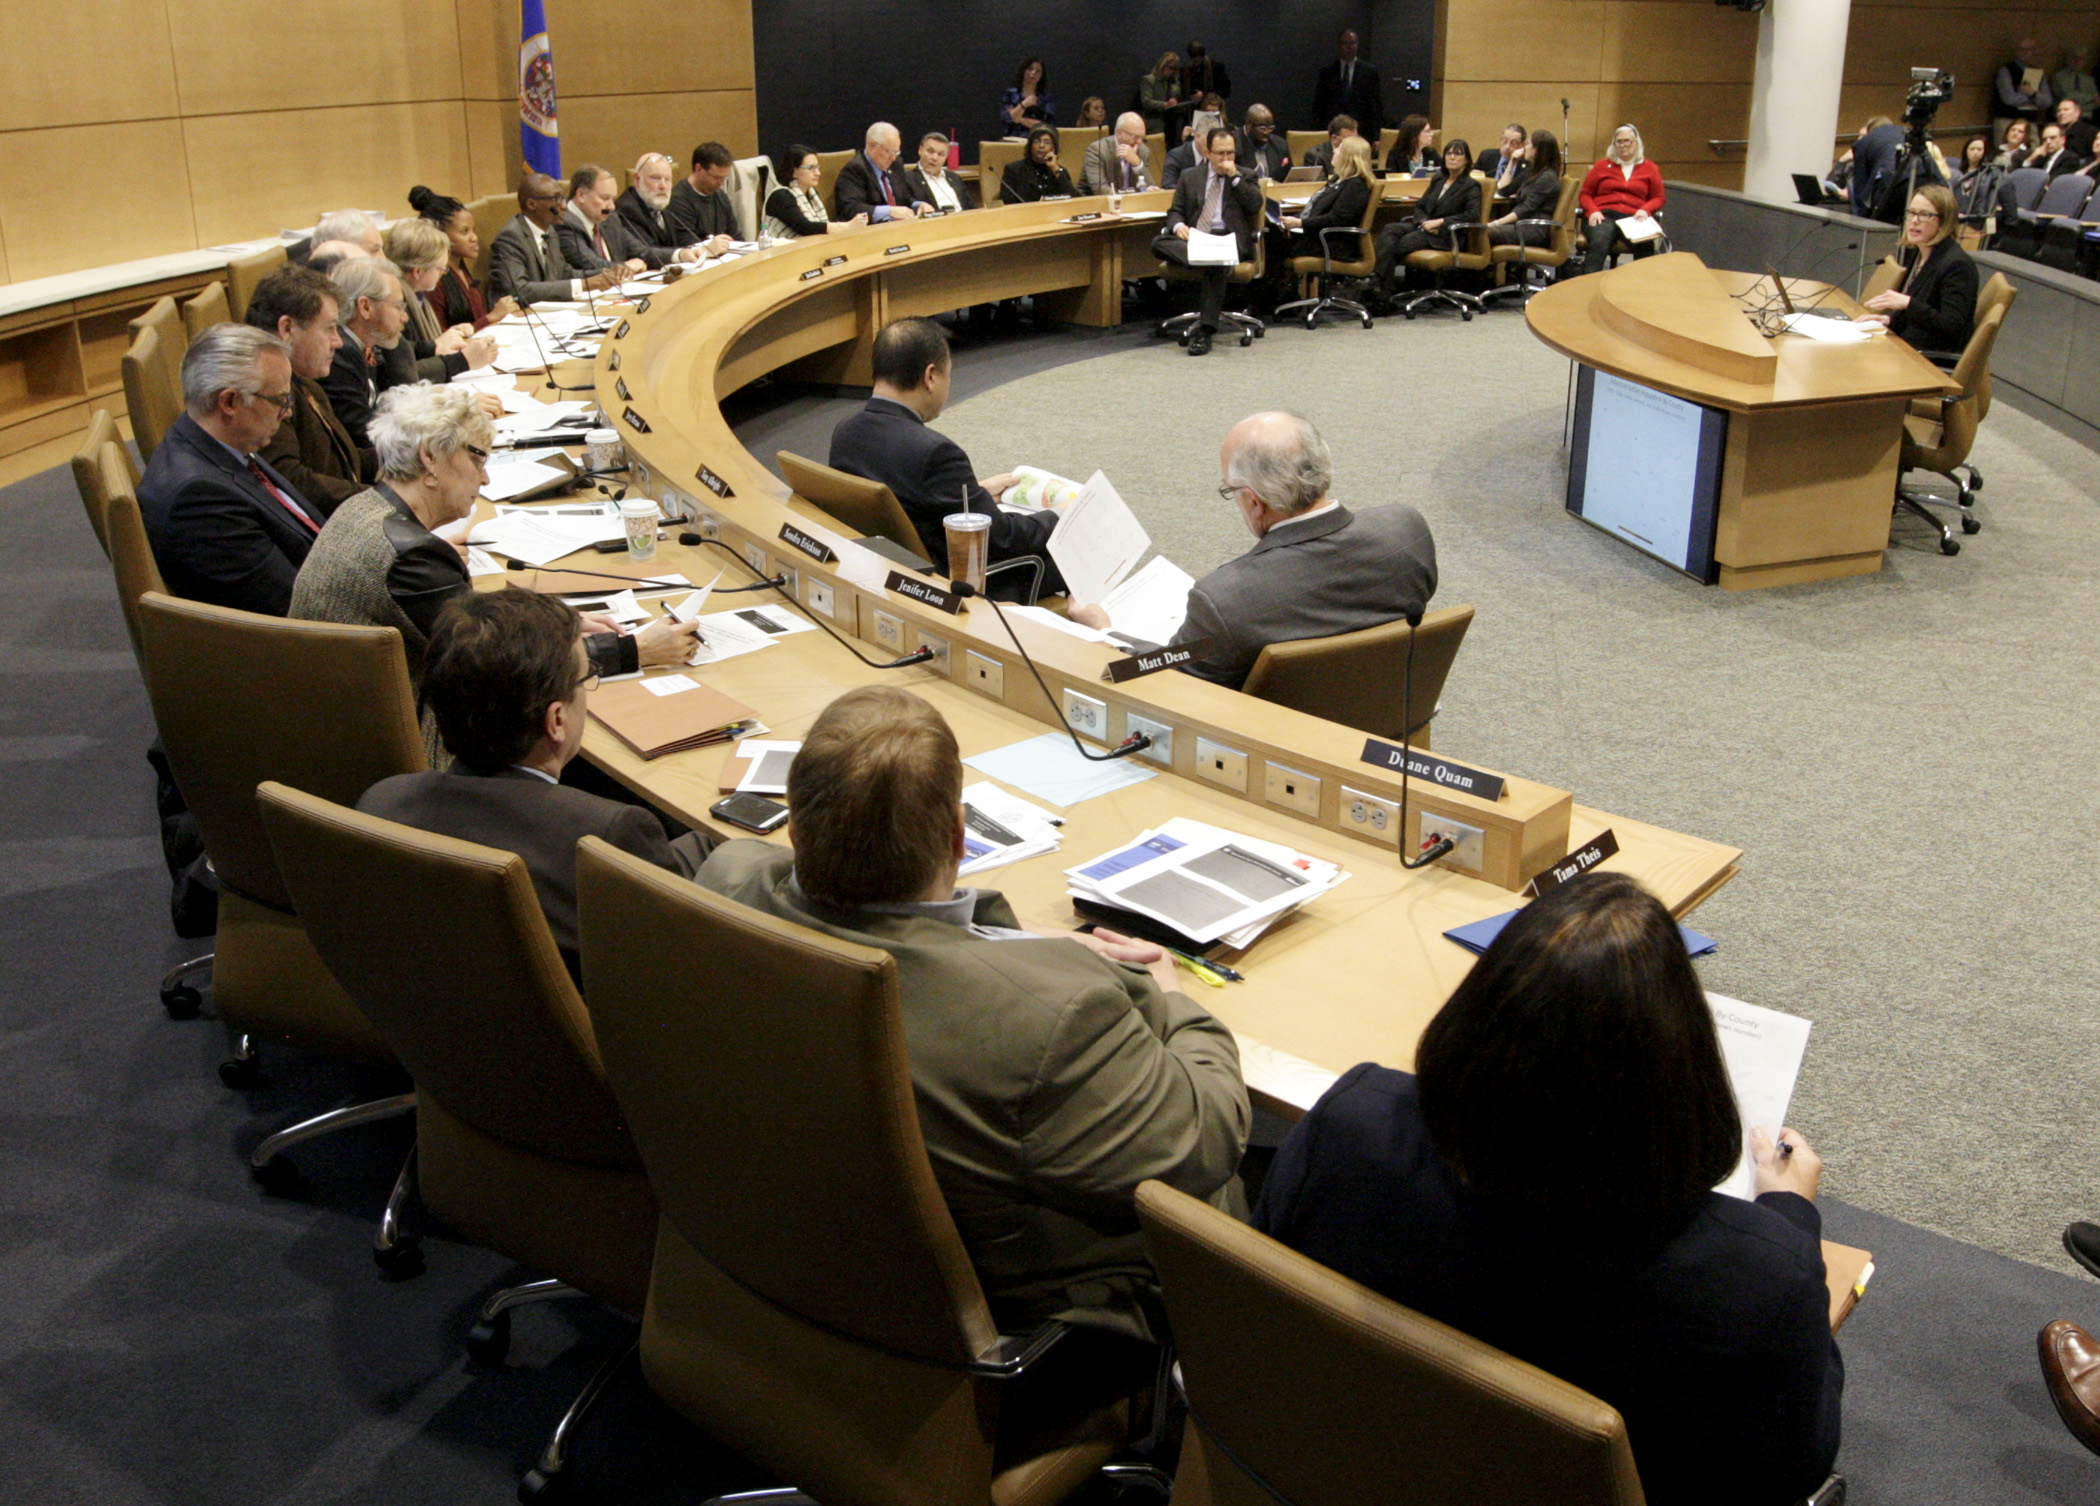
{"points": [[795, 208], [1933, 306], [1623, 183], [1542, 1182]]}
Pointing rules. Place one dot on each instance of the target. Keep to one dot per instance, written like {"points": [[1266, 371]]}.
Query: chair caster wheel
{"points": [[1367, 321], [1972, 525], [277, 1176], [541, 1487], [1408, 315], [182, 1002], [404, 1260], [1465, 316], [1245, 341], [1262, 333], [1950, 546], [241, 1072], [488, 1342]]}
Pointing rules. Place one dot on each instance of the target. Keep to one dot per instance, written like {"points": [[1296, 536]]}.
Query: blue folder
{"points": [[1477, 937]]}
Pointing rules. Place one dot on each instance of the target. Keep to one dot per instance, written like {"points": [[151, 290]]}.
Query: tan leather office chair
{"points": [[152, 371], [1157, 162], [992, 159], [519, 1144], [244, 273], [88, 477], [1939, 432], [209, 307], [1359, 679], [1305, 1387], [1471, 253], [829, 166], [1072, 142], [241, 698], [1343, 253], [491, 214], [130, 551], [1555, 254], [1887, 273], [868, 508], [1250, 327], [1301, 142], [811, 1305]]}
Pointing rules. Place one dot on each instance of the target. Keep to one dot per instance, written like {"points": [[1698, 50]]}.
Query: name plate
{"points": [[1453, 776], [1081, 219], [896, 251], [612, 362], [621, 332], [641, 306], [620, 386], [816, 549], [713, 483], [919, 590], [812, 274], [636, 421], [1575, 864], [834, 261], [1151, 662]]}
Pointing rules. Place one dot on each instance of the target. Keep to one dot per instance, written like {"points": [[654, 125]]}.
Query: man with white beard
{"points": [[638, 224]]}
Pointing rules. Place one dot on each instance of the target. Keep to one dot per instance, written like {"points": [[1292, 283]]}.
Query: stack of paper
{"points": [[1762, 1050], [536, 539], [669, 714], [746, 630], [1097, 541], [1002, 828], [1148, 608], [1207, 883], [760, 767]]}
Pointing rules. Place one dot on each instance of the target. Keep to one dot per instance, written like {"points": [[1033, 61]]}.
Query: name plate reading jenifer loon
{"points": [[919, 590]]}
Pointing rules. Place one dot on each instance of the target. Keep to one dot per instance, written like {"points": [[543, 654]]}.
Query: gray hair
{"points": [[1640, 150], [363, 277], [351, 225], [641, 163], [1283, 461], [880, 132], [420, 417], [1132, 120], [225, 358]]}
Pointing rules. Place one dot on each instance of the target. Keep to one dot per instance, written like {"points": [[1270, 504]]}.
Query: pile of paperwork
{"points": [[1000, 828], [1203, 881]]}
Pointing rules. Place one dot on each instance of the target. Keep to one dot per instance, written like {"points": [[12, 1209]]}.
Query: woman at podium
{"points": [[1933, 306]]}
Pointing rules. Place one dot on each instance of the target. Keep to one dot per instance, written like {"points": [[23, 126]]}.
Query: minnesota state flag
{"points": [[538, 131]]}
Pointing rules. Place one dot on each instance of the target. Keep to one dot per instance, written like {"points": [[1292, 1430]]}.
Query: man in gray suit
{"points": [[1053, 1073], [508, 679], [1121, 162], [526, 261], [1318, 569]]}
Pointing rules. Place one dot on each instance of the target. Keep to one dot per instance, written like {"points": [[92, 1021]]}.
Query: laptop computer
{"points": [[1304, 175], [1809, 189]]}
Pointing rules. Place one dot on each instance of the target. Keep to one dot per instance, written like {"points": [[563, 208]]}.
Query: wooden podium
{"points": [[1815, 430]]}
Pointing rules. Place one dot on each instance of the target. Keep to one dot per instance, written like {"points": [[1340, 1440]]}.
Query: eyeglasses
{"points": [[481, 456], [1921, 214], [1230, 492], [282, 401], [588, 682]]}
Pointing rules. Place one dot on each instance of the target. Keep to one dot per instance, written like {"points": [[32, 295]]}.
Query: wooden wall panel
{"points": [[692, 46], [493, 155], [85, 62], [1478, 112], [1523, 39], [383, 54], [1676, 120], [613, 130], [57, 216], [488, 48], [1669, 41]]}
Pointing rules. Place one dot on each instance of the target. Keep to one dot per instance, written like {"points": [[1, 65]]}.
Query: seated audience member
{"points": [[1340, 205], [1263, 152], [870, 182], [645, 227], [1624, 182], [1349, 86], [1093, 111], [1451, 199], [1035, 174], [1414, 152], [227, 528], [931, 184], [326, 256], [353, 226], [1027, 104], [590, 235], [1978, 181], [428, 351], [373, 313], [1219, 199], [1316, 569], [1339, 129], [1160, 98], [507, 680], [311, 448], [379, 560], [1933, 307], [2053, 156], [1534, 194], [1202, 74], [526, 260], [2016, 147], [2079, 131], [1571, 1097], [1053, 1073], [701, 211], [795, 208], [1209, 115], [1120, 161], [1505, 159], [888, 441], [458, 298], [2013, 100]]}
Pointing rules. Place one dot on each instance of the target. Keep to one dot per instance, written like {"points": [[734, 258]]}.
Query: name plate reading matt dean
{"points": [[1152, 661], [712, 482], [1454, 776], [919, 590], [816, 549], [1575, 864]]}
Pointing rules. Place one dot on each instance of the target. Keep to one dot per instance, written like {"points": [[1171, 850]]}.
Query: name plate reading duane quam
{"points": [[919, 590], [1152, 661], [1419, 765], [1575, 864], [816, 549]]}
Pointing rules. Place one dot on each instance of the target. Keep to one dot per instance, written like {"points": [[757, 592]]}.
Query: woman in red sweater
{"points": [[1624, 182]]}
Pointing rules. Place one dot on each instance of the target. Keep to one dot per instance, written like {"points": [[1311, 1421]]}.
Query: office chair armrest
{"points": [[1009, 1356], [1327, 247], [1020, 562]]}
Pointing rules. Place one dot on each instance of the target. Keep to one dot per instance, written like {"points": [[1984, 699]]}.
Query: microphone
{"points": [[525, 313], [1137, 742], [777, 582], [693, 540], [1433, 850]]}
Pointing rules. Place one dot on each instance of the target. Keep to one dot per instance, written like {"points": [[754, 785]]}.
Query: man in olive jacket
{"points": [[1053, 1074]]}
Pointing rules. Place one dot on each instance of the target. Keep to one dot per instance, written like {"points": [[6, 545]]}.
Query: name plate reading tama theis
{"points": [[1453, 776], [816, 549], [1152, 661], [919, 590], [1575, 864]]}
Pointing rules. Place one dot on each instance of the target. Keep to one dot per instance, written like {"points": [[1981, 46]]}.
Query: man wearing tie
{"points": [[1220, 200], [1118, 163], [1349, 86], [226, 528], [374, 312], [312, 449], [526, 261], [869, 183], [591, 235]]}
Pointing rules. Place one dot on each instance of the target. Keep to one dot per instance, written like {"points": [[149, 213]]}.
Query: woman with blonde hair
{"points": [[1933, 307], [429, 351]]}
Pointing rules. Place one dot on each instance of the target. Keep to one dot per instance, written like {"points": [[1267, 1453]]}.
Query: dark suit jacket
{"points": [[352, 384], [315, 452], [646, 232], [931, 476], [517, 265], [1179, 161], [217, 535], [1334, 573], [859, 188], [1339, 204], [1361, 101], [695, 216], [1274, 158], [576, 247], [517, 811], [1241, 202], [1716, 1350], [1025, 182], [919, 193], [1942, 308]]}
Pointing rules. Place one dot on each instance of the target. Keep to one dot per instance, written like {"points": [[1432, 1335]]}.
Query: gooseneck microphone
{"points": [[1137, 742], [1431, 851], [654, 585], [778, 583], [525, 313]]}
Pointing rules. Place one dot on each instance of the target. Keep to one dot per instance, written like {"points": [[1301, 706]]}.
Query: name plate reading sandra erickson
{"points": [[1152, 661], [919, 590], [815, 548], [1420, 765]]}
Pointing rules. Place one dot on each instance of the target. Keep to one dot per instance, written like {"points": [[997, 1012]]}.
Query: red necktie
{"points": [[889, 195], [598, 240], [255, 469]]}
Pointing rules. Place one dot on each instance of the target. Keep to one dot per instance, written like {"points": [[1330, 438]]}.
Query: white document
{"points": [[1640, 228], [479, 563], [1150, 606], [691, 607], [538, 540], [769, 766], [1204, 881], [623, 608], [514, 478], [1207, 250], [669, 684], [1044, 617], [1762, 1049], [1000, 828], [1829, 331], [1049, 768], [1097, 541]]}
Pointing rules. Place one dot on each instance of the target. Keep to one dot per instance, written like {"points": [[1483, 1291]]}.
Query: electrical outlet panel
{"points": [[1370, 815], [1221, 765], [791, 581], [1292, 789], [1086, 715], [939, 661], [1468, 855], [756, 558], [709, 526], [820, 598], [889, 631], [1161, 751], [987, 675]]}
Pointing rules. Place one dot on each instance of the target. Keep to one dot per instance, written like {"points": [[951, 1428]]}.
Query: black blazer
{"points": [[1339, 203], [1361, 102], [1717, 1350], [1274, 159], [646, 232], [859, 188], [784, 206], [1024, 182], [1941, 313], [518, 267], [1178, 161], [1447, 200], [313, 450], [1241, 202], [931, 476], [352, 385], [217, 534], [915, 181], [1536, 196]]}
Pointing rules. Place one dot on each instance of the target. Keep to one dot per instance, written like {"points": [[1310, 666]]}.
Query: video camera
{"points": [[1929, 89]]}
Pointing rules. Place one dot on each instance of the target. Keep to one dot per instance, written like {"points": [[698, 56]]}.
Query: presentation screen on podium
{"points": [[1646, 467]]}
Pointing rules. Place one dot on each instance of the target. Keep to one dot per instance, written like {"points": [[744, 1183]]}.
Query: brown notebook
{"points": [[1847, 1271], [653, 725]]}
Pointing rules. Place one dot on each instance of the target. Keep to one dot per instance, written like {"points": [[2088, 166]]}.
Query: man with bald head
{"points": [[1121, 162], [526, 260], [1262, 152], [870, 184], [642, 215], [1316, 569]]}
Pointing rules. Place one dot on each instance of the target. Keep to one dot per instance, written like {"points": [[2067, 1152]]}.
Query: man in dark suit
{"points": [[1504, 160], [929, 183], [640, 219], [2053, 156], [888, 441], [1178, 161], [2079, 132], [1262, 151], [1349, 86], [584, 225], [870, 184], [701, 212], [374, 312], [225, 527], [1219, 199], [311, 448], [526, 261], [1339, 129], [1317, 568], [507, 677]]}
